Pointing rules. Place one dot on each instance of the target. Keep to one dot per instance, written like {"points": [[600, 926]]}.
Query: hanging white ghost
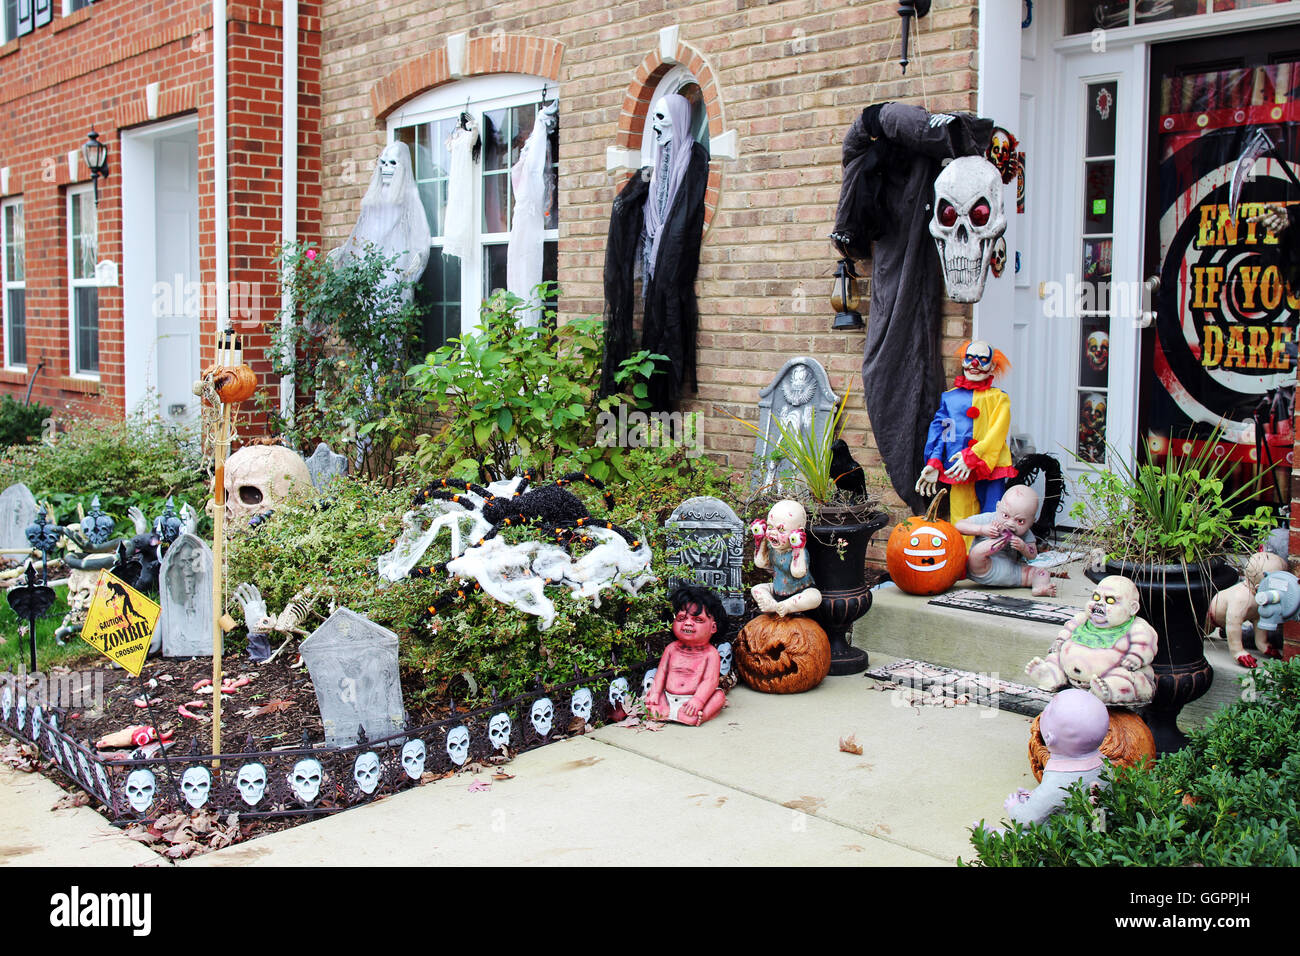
{"points": [[968, 220], [251, 781], [365, 771], [542, 715], [140, 788], [196, 784], [306, 779], [499, 731], [392, 218], [413, 757], [458, 745]]}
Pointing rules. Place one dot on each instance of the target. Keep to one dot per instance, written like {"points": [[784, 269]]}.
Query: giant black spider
{"points": [[556, 510]]}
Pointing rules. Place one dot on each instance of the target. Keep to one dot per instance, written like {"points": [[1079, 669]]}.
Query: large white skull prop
{"points": [[580, 705], [366, 772], [499, 731], [618, 692], [413, 757], [724, 651], [968, 219], [305, 779], [648, 681], [661, 122], [259, 477], [140, 787], [458, 745], [251, 782], [543, 713], [81, 590], [196, 784]]}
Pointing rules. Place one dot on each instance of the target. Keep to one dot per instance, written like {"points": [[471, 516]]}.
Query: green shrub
{"points": [[20, 424], [134, 462], [1229, 798]]}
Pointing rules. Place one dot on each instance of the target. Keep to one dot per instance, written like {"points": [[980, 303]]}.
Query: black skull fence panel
{"points": [[315, 779]]}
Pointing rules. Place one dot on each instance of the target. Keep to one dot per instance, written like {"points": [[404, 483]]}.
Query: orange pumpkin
{"points": [[234, 384], [783, 655], [925, 555]]}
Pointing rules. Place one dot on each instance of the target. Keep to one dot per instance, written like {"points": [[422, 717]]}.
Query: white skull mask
{"points": [[580, 705], [6, 701], [22, 711], [393, 171], [998, 261], [251, 782], [259, 477], [413, 757], [306, 779], [458, 745], [724, 651], [36, 724], [968, 219], [662, 123], [542, 714], [366, 772], [648, 681], [618, 692], [140, 787], [196, 784], [499, 731]]}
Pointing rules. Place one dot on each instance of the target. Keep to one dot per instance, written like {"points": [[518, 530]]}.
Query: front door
{"points": [[176, 256], [1221, 352]]}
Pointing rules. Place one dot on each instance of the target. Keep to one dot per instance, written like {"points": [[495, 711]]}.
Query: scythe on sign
{"points": [[1259, 145]]}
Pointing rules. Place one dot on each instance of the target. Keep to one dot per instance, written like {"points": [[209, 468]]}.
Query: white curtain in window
{"points": [[458, 225], [524, 252]]}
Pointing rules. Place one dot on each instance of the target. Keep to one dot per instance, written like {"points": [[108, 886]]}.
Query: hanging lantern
{"points": [[95, 154], [845, 299]]}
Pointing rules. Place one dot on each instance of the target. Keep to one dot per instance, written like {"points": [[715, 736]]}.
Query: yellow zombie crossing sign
{"points": [[120, 623]]}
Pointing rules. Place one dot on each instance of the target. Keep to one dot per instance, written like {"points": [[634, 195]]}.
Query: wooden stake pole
{"points": [[225, 357]]}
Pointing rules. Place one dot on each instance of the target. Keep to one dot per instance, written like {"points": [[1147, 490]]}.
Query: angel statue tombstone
{"points": [[801, 399]]}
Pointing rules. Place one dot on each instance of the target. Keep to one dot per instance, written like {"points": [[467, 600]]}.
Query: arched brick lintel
{"points": [[640, 94], [499, 53]]}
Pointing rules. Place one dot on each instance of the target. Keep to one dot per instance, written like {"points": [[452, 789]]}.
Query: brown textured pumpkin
{"points": [[925, 555], [1127, 742], [783, 655], [234, 384]]}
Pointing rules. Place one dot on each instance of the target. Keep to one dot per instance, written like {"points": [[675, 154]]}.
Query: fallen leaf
{"points": [[140, 833], [22, 757], [70, 801], [478, 786], [181, 850], [850, 745], [502, 775]]}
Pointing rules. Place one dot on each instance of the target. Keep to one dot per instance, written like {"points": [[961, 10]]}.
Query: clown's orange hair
{"points": [[1001, 364]]}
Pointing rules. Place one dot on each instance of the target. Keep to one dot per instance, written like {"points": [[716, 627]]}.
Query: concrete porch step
{"points": [[907, 626]]}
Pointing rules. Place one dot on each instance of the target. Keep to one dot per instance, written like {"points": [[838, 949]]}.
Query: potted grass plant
{"points": [[1172, 528], [840, 525]]}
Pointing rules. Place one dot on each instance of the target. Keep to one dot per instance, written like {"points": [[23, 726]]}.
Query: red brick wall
{"points": [[91, 68], [789, 81]]}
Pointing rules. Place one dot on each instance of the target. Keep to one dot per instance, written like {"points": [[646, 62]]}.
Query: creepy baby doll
{"points": [[685, 688], [1004, 544]]}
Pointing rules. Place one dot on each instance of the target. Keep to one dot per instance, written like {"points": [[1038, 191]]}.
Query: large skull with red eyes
{"points": [[968, 220]]}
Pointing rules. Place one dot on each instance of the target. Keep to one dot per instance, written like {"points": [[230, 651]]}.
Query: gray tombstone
{"points": [[185, 594], [353, 666], [325, 465], [801, 399], [706, 540], [17, 511]]}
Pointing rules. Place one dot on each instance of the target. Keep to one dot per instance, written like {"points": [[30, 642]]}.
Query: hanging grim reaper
{"points": [[392, 219], [654, 234], [892, 155]]}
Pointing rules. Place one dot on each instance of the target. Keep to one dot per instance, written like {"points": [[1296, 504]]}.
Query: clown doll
{"points": [[967, 445]]}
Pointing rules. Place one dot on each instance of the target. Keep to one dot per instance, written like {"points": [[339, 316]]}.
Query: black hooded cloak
{"points": [[671, 312]]}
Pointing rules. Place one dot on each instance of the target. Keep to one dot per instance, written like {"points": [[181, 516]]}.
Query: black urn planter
{"points": [[837, 556], [1174, 599]]}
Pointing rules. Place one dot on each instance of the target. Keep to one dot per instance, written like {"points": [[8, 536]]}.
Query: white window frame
{"points": [[484, 94], [74, 358], [6, 283]]}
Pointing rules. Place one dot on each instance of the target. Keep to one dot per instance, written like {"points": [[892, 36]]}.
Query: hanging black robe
{"points": [[886, 196], [671, 314]]}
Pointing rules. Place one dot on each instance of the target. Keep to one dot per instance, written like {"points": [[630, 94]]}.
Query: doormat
{"points": [[987, 690], [1004, 605]]}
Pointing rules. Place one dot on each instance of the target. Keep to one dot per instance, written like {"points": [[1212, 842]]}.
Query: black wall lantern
{"points": [[95, 154], [907, 9], [845, 299]]}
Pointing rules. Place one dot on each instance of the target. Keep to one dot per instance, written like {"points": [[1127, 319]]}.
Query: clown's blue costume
{"points": [[973, 420]]}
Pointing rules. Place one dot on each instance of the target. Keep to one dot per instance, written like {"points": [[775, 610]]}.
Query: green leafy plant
{"points": [[1179, 511], [513, 398], [1227, 799], [21, 424], [351, 339]]}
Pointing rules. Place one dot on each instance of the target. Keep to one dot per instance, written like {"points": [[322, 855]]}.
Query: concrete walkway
{"points": [[763, 783]]}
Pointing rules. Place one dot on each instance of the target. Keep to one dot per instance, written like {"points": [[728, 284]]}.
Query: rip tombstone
{"points": [[17, 510], [353, 667], [185, 595], [706, 541], [801, 399]]}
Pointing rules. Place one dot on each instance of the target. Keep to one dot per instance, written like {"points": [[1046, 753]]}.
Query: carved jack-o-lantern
{"points": [[925, 555], [233, 384], [782, 655]]}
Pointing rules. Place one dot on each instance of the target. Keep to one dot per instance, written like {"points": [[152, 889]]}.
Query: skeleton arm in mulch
{"points": [[261, 624]]}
